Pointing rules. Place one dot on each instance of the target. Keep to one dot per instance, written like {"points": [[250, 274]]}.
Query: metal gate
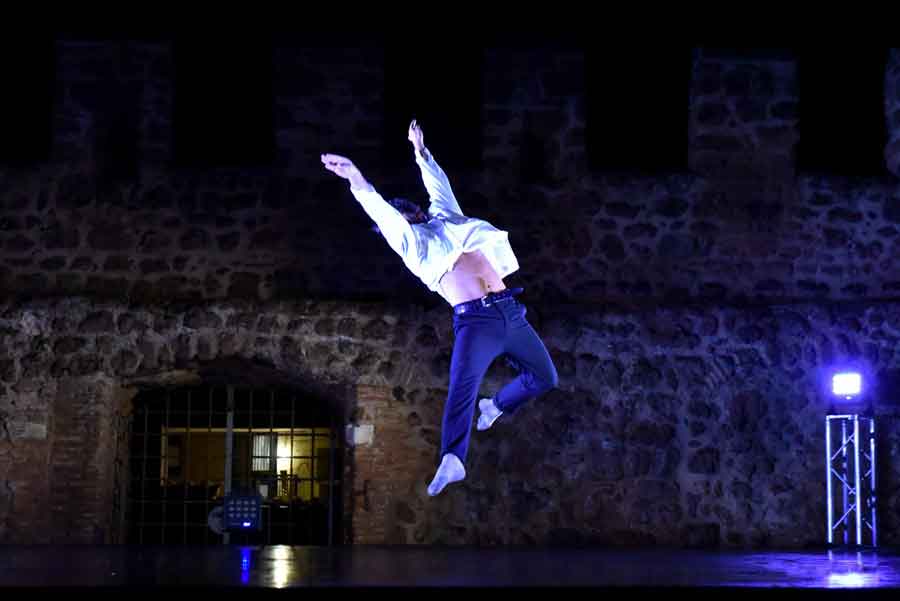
{"points": [[192, 447]]}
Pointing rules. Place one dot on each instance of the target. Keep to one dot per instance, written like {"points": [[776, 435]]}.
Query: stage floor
{"points": [[278, 567]]}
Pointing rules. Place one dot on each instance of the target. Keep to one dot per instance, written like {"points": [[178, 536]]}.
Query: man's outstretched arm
{"points": [[441, 194], [393, 226]]}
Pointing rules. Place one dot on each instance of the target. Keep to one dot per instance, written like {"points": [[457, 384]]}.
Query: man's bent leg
{"points": [[527, 352]]}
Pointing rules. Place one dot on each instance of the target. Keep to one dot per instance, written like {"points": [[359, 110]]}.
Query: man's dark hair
{"points": [[404, 205]]}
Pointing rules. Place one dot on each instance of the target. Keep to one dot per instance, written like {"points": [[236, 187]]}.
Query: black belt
{"points": [[487, 300]]}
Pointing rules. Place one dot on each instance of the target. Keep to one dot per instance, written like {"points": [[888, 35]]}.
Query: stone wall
{"points": [[670, 427], [692, 315], [742, 225]]}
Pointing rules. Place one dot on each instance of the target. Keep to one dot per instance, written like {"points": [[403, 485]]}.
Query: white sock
{"points": [[451, 470], [489, 414]]}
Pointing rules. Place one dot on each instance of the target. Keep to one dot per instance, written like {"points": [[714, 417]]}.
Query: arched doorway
{"points": [[196, 451]]}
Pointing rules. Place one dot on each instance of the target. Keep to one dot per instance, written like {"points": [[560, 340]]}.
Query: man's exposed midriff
{"points": [[471, 277]]}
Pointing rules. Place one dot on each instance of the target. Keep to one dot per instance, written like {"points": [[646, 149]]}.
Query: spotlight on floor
{"points": [[846, 384]]}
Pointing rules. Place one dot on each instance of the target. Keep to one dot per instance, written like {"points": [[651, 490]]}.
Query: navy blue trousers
{"points": [[482, 335]]}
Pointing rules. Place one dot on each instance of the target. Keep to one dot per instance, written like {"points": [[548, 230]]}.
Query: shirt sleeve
{"points": [[443, 200], [393, 225]]}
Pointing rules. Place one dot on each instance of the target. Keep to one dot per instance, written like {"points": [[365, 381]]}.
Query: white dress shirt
{"points": [[431, 249]]}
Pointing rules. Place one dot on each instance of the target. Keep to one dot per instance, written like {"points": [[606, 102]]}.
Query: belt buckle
{"points": [[484, 301]]}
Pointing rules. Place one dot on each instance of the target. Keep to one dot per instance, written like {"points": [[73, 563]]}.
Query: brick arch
{"points": [[179, 401], [73, 367]]}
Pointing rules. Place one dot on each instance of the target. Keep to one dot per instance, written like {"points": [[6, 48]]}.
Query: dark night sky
{"points": [[642, 127]]}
